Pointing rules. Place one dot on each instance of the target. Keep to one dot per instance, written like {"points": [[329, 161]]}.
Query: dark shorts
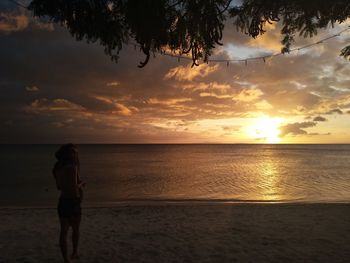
{"points": [[69, 207]]}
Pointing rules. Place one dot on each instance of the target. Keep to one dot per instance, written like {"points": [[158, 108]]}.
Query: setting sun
{"points": [[266, 129]]}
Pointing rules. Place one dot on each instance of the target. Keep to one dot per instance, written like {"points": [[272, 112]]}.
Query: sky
{"points": [[54, 89]]}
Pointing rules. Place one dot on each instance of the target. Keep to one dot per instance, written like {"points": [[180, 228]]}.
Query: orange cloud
{"points": [[248, 95], [271, 40], [32, 88], [120, 108], [182, 73], [12, 22], [167, 101], [113, 83], [46, 105], [263, 105], [202, 86], [213, 94]]}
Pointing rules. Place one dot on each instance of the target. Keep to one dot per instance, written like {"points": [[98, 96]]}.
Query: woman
{"points": [[66, 173]]}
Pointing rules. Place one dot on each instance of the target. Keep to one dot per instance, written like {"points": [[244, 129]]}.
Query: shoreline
{"points": [[134, 203], [185, 233]]}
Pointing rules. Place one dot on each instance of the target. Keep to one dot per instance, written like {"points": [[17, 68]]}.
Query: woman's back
{"points": [[67, 181]]}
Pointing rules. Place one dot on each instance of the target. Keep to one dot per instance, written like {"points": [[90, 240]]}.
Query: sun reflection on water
{"points": [[270, 178]]}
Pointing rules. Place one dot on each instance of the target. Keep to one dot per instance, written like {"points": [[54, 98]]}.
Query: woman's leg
{"points": [[75, 223], [63, 238]]}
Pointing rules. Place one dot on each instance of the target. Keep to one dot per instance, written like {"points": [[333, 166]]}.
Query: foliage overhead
{"points": [[191, 27]]}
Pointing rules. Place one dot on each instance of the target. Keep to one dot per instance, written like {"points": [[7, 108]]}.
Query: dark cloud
{"points": [[296, 128], [316, 133], [319, 119], [335, 111]]}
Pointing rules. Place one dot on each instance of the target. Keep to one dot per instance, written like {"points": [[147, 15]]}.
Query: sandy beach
{"points": [[185, 233]]}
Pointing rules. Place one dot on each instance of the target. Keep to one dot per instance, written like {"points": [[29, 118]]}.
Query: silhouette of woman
{"points": [[66, 173]]}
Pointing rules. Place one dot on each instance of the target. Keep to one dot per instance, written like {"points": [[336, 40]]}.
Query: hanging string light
{"points": [[263, 58]]}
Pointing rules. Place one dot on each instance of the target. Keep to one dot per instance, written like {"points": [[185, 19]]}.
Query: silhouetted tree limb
{"points": [[296, 16], [192, 27], [345, 52]]}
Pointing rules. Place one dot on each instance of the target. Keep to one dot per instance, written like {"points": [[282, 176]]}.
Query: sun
{"points": [[266, 129]]}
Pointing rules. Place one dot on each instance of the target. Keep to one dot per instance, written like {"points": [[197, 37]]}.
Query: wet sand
{"points": [[185, 233]]}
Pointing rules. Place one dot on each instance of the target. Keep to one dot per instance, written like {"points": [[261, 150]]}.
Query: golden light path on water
{"points": [[270, 178], [266, 129]]}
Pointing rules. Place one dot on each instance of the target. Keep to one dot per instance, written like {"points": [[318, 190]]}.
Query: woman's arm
{"points": [[57, 185], [80, 184], [55, 176]]}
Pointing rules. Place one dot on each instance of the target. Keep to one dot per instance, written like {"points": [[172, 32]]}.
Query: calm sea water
{"points": [[267, 173]]}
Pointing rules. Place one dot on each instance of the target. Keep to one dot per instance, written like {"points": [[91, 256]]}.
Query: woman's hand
{"points": [[81, 184]]}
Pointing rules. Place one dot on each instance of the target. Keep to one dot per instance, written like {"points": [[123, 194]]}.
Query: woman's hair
{"points": [[64, 152], [64, 157]]}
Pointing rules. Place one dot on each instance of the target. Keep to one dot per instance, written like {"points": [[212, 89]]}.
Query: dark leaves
{"points": [[298, 16], [345, 52]]}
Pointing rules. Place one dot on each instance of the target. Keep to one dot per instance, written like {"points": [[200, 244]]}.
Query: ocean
{"points": [[181, 173]]}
